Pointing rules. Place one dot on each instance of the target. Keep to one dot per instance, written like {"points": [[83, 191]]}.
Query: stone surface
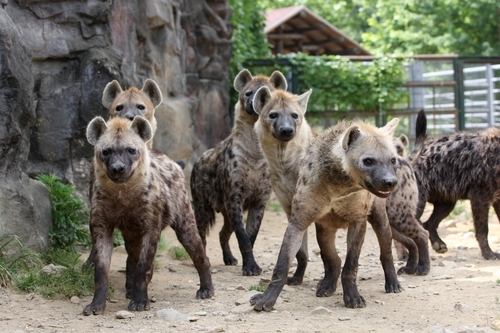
{"points": [[122, 314], [171, 315], [25, 207]]}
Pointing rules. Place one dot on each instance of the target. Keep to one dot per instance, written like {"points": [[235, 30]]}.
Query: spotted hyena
{"points": [[233, 177], [347, 173], [401, 206], [133, 102], [140, 192], [284, 136], [460, 166]]}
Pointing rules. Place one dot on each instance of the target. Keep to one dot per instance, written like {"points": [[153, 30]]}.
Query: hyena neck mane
{"points": [[243, 132]]}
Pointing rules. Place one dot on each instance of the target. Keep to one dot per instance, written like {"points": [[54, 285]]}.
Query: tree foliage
{"points": [[391, 27], [341, 84]]}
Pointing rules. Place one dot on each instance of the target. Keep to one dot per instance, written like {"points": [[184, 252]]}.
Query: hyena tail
{"points": [[421, 135]]}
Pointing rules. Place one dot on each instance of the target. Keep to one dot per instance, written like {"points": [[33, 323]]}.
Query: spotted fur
{"points": [[460, 166], [347, 171], [233, 177], [140, 192]]}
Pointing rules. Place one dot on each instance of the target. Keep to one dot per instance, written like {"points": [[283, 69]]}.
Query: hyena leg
{"points": [[234, 212], [224, 235], [355, 237], [189, 238], [144, 271], [302, 257], [380, 223], [205, 217], [496, 206], [102, 249], [254, 220], [289, 247], [331, 260], [409, 244], [441, 210], [480, 215], [133, 246]]}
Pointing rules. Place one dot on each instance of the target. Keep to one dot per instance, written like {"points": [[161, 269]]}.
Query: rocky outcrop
{"points": [[74, 48], [25, 207]]}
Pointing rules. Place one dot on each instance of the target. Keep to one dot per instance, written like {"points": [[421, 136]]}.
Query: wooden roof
{"points": [[298, 29]]}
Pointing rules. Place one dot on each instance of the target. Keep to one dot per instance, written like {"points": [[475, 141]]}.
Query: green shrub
{"points": [[179, 253], [258, 288], [69, 214], [14, 257]]}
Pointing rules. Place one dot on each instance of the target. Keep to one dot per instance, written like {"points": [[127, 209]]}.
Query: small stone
{"points": [[451, 224], [30, 297], [365, 278], [124, 314], [344, 318], [243, 308], [469, 235], [442, 277], [245, 298], [113, 301], [320, 310], [240, 287], [264, 281], [401, 279], [75, 300], [53, 270], [379, 302], [200, 313], [470, 276], [171, 315], [216, 330], [287, 288], [461, 307], [447, 263], [152, 299], [193, 319], [412, 286], [461, 247], [214, 270]]}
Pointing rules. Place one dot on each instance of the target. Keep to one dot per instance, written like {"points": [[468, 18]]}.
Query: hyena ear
{"points": [[351, 135], [242, 79], [404, 140], [303, 99], [151, 89], [96, 128], [141, 126], [261, 97], [278, 80], [391, 126], [111, 91]]}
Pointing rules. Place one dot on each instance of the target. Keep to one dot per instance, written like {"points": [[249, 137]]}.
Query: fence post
{"points": [[459, 92], [490, 96]]}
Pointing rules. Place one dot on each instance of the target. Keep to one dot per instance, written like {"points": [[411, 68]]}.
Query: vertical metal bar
{"points": [[490, 97], [459, 92]]}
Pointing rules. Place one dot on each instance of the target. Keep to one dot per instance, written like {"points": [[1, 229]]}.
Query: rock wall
{"points": [[77, 47]]}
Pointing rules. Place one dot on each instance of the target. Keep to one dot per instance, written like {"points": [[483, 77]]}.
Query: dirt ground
{"points": [[460, 294]]}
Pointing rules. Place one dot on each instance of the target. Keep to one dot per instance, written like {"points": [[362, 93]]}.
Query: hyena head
{"points": [[280, 113], [370, 156], [132, 102], [247, 85], [120, 145], [401, 143]]}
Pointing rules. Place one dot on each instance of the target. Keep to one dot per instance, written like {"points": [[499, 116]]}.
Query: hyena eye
{"points": [[106, 152], [131, 151], [273, 115], [368, 161], [248, 93], [393, 160], [295, 115], [141, 107], [119, 108]]}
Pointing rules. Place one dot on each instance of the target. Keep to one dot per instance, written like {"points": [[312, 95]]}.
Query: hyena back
{"points": [[346, 172], [460, 166], [233, 177], [140, 192]]}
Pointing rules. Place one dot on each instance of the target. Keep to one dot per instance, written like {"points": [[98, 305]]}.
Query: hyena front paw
{"points": [[294, 280], [251, 269], [406, 270], [94, 308], [204, 293], [325, 288], [262, 302], [139, 305], [354, 301], [230, 261], [439, 247]]}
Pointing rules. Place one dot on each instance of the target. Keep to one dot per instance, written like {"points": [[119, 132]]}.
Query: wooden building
{"points": [[298, 29]]}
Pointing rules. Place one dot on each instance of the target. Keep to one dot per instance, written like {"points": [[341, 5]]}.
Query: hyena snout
{"points": [[129, 116], [118, 168]]}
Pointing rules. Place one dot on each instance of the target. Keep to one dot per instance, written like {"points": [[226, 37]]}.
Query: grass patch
{"points": [[68, 282], [258, 287], [273, 206], [179, 253], [15, 257]]}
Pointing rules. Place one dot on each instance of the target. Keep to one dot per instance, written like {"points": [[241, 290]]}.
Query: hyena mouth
{"points": [[380, 194]]}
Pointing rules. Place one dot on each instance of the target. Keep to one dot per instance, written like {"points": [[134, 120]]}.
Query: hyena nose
{"points": [[129, 116], [286, 131], [389, 184], [118, 168]]}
